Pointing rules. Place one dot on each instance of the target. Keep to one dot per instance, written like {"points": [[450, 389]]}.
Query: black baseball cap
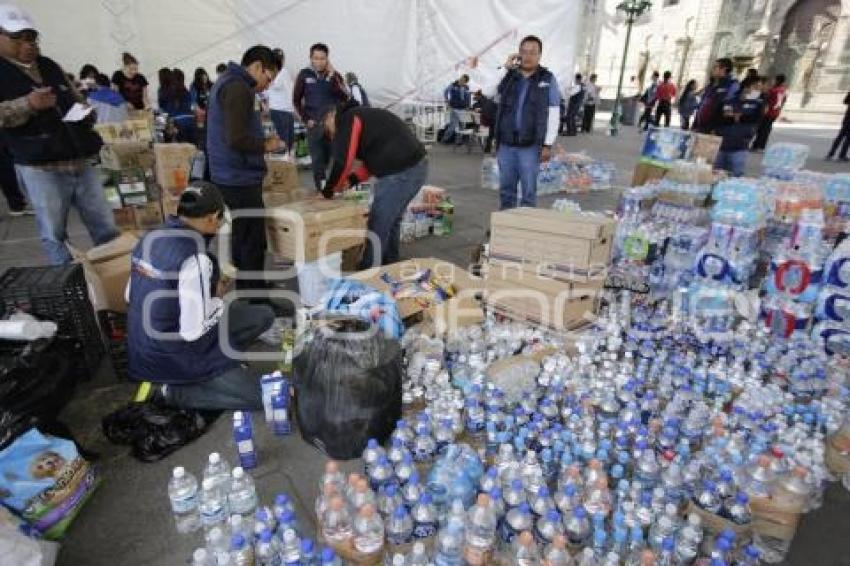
{"points": [[200, 199]]}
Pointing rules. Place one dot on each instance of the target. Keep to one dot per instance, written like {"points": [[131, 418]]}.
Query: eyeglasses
{"points": [[26, 36]]}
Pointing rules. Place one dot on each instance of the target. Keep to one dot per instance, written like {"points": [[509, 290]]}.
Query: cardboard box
{"points": [[169, 204], [665, 145], [463, 309], [126, 155], [142, 217], [107, 270], [281, 176], [705, 147], [129, 130], [173, 165], [522, 294], [132, 187], [577, 246], [308, 229], [647, 172]]}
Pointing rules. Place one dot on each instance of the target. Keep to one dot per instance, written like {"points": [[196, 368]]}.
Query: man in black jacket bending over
{"points": [[385, 148]]}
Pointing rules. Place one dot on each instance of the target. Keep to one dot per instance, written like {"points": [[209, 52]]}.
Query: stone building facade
{"points": [[807, 40]]}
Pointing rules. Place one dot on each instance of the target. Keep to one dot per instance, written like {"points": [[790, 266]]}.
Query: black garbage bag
{"points": [[36, 382], [347, 386], [154, 431]]}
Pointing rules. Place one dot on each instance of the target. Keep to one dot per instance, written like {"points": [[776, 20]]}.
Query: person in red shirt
{"points": [[665, 94], [774, 101]]}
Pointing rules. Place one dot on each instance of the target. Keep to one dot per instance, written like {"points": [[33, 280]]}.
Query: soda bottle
{"points": [[183, 494], [541, 502], [411, 491], [418, 556], [577, 528]]}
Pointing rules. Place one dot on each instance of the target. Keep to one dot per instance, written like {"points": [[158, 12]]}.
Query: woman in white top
{"points": [[358, 93], [281, 109]]}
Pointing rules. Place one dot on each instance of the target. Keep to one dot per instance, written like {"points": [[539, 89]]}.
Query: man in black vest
{"points": [[51, 155], [182, 334], [527, 122]]}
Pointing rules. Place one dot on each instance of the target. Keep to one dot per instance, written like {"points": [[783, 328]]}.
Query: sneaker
{"points": [[154, 393], [26, 211]]}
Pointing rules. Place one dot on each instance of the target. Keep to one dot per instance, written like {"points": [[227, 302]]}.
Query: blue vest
{"points": [[318, 94], [458, 96], [45, 138], [535, 110], [229, 166], [156, 262]]}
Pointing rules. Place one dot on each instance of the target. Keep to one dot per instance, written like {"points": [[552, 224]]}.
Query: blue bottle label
{"points": [[424, 530]]}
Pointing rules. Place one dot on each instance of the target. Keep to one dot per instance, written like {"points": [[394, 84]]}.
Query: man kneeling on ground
{"points": [[177, 323]]}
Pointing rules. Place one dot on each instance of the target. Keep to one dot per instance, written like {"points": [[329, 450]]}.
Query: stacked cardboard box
{"points": [[305, 230], [173, 166], [128, 165], [547, 267]]}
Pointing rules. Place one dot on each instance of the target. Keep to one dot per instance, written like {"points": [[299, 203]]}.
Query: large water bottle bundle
{"points": [[836, 194], [782, 160], [649, 446], [832, 311]]}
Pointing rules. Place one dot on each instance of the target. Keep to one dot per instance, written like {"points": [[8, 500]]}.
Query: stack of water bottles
{"points": [[783, 159], [832, 311], [237, 530], [651, 445]]}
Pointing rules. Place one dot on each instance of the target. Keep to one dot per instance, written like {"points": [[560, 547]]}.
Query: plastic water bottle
{"points": [[219, 470], [282, 503], [368, 531], [748, 556], [738, 511], [332, 476], [399, 527], [243, 434], [238, 525], [290, 547], [241, 553], [201, 557], [263, 519], [689, 539], [450, 542], [405, 469], [548, 527], [424, 445], [418, 556], [362, 495], [371, 453], [425, 518], [281, 424], [541, 502], [708, 498], [183, 493], [242, 498], [329, 558], [308, 552], [267, 551], [381, 473], [336, 522], [515, 495], [480, 531], [396, 451], [411, 491], [516, 520], [217, 545], [388, 499], [577, 528], [525, 550], [213, 505], [556, 554]]}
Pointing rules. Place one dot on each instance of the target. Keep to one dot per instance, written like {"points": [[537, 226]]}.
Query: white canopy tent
{"points": [[402, 50]]}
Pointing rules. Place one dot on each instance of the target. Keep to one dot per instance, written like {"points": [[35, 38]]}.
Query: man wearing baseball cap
{"points": [[178, 323], [51, 155]]}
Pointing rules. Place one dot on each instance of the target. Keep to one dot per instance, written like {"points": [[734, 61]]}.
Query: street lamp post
{"points": [[633, 10]]}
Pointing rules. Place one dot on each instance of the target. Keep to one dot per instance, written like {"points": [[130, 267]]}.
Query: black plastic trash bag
{"points": [[348, 386], [154, 431]]}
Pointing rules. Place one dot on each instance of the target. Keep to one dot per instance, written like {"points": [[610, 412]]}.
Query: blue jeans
{"points": [[52, 193], [284, 124], [518, 165], [391, 196], [733, 161], [451, 129]]}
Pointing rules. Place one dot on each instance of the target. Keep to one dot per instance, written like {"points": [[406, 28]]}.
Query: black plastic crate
{"points": [[60, 294]]}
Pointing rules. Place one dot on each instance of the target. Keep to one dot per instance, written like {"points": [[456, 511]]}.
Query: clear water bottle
{"points": [[389, 499], [371, 453], [525, 551], [749, 555], [577, 528], [217, 544], [548, 527], [213, 505], [405, 469], [480, 531], [381, 473], [541, 502], [489, 480], [516, 520], [308, 552], [567, 499], [396, 451], [242, 498], [424, 445], [201, 557], [332, 476], [556, 554], [329, 558], [368, 531], [399, 527], [418, 556], [267, 552], [708, 498], [515, 494], [412, 490], [290, 547], [283, 503], [241, 552], [738, 510], [263, 519], [425, 518], [450, 542], [362, 495], [183, 494], [667, 552], [336, 522], [404, 433], [689, 539], [219, 470]]}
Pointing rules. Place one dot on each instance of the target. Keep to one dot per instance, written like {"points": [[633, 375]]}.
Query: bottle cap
{"points": [[179, 472], [200, 555], [215, 458], [238, 472], [208, 484], [328, 555], [306, 546]]}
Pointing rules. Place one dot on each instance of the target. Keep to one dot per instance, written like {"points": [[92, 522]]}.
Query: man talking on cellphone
{"points": [[526, 123]]}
